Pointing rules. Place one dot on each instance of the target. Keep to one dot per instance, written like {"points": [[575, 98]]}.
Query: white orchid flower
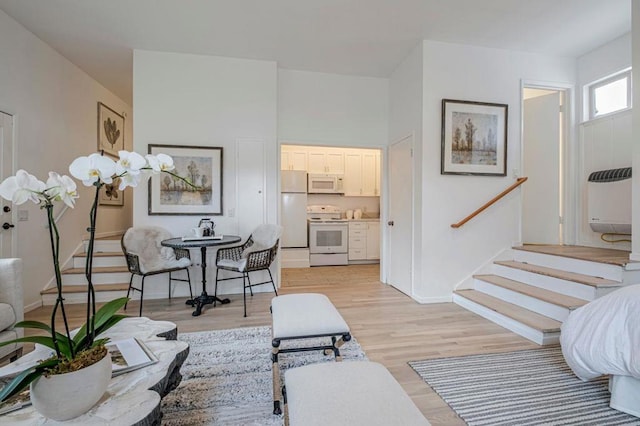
{"points": [[21, 188], [129, 179], [62, 188], [129, 163], [93, 168], [160, 163]]}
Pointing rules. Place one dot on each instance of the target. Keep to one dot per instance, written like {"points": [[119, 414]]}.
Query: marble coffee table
{"points": [[132, 398]]}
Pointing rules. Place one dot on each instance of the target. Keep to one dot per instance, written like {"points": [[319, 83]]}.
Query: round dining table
{"points": [[202, 244]]}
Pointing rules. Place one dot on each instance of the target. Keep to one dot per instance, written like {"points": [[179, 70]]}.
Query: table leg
{"points": [[204, 298]]}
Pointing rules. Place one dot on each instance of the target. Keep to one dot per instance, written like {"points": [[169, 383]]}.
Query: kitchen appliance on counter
{"points": [[328, 236], [326, 184], [294, 208]]}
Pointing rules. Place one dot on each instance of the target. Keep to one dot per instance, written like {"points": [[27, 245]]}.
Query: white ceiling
{"points": [[360, 37]]}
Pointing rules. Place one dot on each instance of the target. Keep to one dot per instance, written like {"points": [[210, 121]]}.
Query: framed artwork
{"points": [[474, 138], [169, 195], [110, 195], [110, 130]]}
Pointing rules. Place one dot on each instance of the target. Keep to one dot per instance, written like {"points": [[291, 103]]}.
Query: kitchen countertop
{"points": [[365, 219]]}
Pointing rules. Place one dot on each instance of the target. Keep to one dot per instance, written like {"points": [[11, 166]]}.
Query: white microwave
{"points": [[325, 184]]}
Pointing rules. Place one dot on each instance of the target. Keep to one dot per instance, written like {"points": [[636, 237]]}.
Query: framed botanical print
{"points": [[200, 165], [474, 138], [110, 130], [110, 195]]}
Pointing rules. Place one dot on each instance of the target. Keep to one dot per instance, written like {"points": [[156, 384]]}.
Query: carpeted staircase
{"points": [[534, 291]]}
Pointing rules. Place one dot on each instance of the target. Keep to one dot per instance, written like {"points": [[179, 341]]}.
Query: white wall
{"points": [[55, 109], [182, 99], [635, 25], [405, 118], [478, 74], [604, 143], [330, 109]]}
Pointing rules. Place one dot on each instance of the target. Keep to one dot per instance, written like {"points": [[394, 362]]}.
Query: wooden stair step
{"points": [[83, 288], [591, 254], [97, 270], [557, 273], [533, 291], [101, 254], [524, 316]]}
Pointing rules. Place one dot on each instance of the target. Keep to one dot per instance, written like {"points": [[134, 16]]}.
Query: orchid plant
{"points": [[93, 170]]}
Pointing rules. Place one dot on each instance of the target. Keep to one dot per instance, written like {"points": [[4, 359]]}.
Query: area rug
{"points": [[531, 387], [227, 377]]}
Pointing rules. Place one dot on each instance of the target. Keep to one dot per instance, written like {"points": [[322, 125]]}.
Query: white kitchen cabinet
{"points": [[292, 158], [352, 173], [373, 240], [364, 240], [371, 173], [362, 172], [325, 160]]}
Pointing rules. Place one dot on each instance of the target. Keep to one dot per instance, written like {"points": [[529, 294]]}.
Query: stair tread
{"points": [[83, 288], [97, 270], [101, 254], [525, 316], [591, 254], [548, 296], [557, 273]]}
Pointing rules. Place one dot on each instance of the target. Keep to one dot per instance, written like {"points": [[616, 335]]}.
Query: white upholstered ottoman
{"points": [[348, 393], [303, 316]]}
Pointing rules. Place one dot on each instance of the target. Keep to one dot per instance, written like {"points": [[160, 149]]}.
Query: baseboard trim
{"points": [[427, 300], [33, 306]]}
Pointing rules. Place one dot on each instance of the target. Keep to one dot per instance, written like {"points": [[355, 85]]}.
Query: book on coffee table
{"points": [[16, 402], [128, 355]]}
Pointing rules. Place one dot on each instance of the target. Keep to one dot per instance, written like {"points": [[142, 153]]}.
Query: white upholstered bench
{"points": [[303, 316], [348, 393]]}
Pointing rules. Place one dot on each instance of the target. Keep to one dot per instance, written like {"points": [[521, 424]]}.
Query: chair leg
{"points": [[244, 292], [189, 278], [272, 283], [249, 281], [128, 290], [141, 295], [169, 285], [215, 289]]}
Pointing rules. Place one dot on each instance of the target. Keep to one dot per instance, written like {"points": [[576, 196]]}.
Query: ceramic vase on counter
{"points": [[349, 214], [357, 214]]}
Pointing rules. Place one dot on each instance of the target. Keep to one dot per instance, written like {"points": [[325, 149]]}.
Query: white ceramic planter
{"points": [[65, 396]]}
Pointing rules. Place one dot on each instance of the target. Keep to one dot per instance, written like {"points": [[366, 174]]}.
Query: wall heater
{"points": [[609, 201]]}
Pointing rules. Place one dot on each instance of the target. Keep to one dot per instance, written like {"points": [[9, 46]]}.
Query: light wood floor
{"points": [[391, 327]]}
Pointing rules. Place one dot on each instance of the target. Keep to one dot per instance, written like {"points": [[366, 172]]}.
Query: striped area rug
{"points": [[531, 387]]}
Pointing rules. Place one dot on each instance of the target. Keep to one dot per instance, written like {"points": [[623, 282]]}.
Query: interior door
{"points": [[6, 169], [541, 193], [400, 223], [250, 185]]}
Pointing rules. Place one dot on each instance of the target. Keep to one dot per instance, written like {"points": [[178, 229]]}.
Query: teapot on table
{"points": [[207, 226]]}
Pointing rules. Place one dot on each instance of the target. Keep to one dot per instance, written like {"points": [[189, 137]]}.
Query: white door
{"points": [[400, 221], [250, 185], [541, 152], [6, 169]]}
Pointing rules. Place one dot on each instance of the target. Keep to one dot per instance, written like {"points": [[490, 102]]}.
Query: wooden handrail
{"points": [[517, 183]]}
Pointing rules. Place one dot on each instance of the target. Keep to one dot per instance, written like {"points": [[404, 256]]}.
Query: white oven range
{"points": [[328, 236]]}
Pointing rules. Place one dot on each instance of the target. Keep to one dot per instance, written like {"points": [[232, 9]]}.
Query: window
{"points": [[610, 95]]}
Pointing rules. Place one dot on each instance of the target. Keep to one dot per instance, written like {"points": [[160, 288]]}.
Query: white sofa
{"points": [[11, 307]]}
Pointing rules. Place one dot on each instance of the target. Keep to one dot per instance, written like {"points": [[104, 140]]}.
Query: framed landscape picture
{"points": [[169, 195], [474, 138], [110, 130]]}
